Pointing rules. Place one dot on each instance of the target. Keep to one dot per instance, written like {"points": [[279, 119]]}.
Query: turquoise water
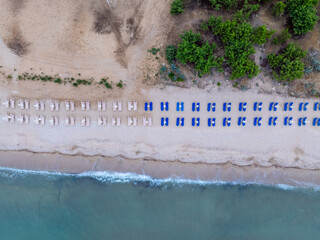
{"points": [[113, 206]]}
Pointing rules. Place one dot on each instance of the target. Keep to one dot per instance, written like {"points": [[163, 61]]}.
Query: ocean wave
{"points": [[111, 177]]}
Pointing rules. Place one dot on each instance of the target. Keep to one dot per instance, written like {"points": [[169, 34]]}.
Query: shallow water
{"points": [[108, 206]]}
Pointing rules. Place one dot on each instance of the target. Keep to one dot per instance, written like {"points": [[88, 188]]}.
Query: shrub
{"points": [[227, 4], [282, 37], [171, 53], [288, 65], [177, 7], [278, 9], [238, 39], [193, 50], [303, 15], [120, 84], [154, 51]]}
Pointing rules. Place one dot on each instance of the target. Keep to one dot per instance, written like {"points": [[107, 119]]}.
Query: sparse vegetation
{"points": [[177, 7], [120, 84], [282, 37], [288, 64], [154, 51], [279, 8], [171, 53]]}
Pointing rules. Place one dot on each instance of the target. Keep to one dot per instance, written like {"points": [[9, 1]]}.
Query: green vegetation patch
{"points": [[288, 65], [282, 37], [303, 15], [279, 9]]}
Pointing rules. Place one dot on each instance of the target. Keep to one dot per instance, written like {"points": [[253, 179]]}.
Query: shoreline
{"points": [[157, 169]]}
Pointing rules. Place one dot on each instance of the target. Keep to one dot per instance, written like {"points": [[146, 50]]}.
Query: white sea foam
{"points": [[111, 177]]}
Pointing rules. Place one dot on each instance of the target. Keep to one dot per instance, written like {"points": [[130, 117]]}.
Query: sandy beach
{"points": [[272, 155]]}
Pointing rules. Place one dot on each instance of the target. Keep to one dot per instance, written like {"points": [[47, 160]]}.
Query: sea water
{"points": [[38, 205]]}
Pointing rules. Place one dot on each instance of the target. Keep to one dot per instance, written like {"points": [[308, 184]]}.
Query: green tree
{"points": [[287, 65], [177, 7], [303, 15], [282, 37]]}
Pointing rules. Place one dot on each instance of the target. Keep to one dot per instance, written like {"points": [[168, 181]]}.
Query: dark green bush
{"points": [[303, 15], [282, 37], [171, 53], [278, 9], [177, 7], [287, 65]]}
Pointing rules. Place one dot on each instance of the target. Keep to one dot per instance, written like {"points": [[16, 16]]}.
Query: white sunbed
{"points": [[135, 121], [149, 121], [21, 119], [99, 106], [67, 105], [51, 121], [88, 105], [56, 120], [72, 105], [114, 121], [42, 105], [37, 120], [135, 106], [88, 121], [83, 121], [26, 104], [42, 120], [67, 121], [129, 121], [72, 120], [129, 106], [99, 121], [7, 117], [21, 103], [144, 121], [118, 121], [6, 103], [57, 105], [12, 118], [37, 105], [104, 120], [115, 106], [26, 119], [104, 106], [83, 105], [52, 106], [119, 106], [12, 103]]}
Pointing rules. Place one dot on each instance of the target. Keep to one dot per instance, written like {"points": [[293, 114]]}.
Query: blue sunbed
{"points": [[209, 107], [259, 121], [271, 106], [162, 121], [178, 122], [193, 121], [193, 107], [182, 106], [260, 106], [151, 106], [244, 121], [198, 107], [224, 121], [167, 122], [315, 121], [275, 121], [285, 108], [229, 122], [315, 106], [167, 106], [275, 107], [161, 106], [304, 121], [305, 107], [209, 122], [255, 105], [270, 121], [290, 121], [182, 122], [318, 122], [146, 106], [240, 106], [244, 106], [300, 106], [224, 107], [178, 107], [255, 121], [290, 106], [198, 122], [239, 121], [229, 107]]}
